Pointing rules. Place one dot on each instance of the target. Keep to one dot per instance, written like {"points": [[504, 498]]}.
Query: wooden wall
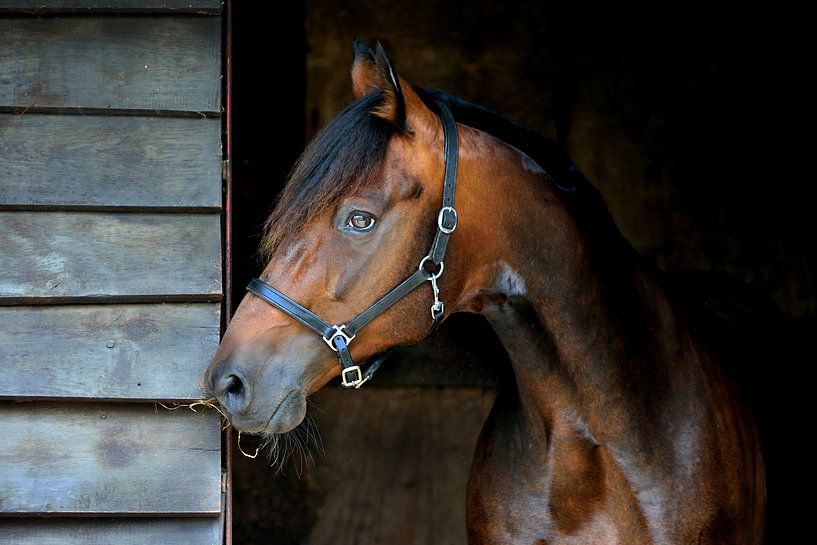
{"points": [[110, 270]]}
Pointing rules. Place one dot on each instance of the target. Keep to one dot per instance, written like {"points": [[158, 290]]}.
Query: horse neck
{"points": [[599, 356], [602, 334]]}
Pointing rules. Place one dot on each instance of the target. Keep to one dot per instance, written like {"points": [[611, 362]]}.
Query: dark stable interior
{"points": [[691, 123]]}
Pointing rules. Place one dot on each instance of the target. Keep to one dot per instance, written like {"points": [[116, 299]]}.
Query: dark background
{"points": [[694, 121]]}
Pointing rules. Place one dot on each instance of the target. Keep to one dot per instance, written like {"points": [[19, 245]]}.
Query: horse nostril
{"points": [[231, 391], [235, 387]]}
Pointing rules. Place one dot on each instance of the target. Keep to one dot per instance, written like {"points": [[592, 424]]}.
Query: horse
{"points": [[618, 426]]}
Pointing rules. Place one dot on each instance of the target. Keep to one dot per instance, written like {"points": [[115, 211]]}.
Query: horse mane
{"points": [[350, 150], [548, 154], [578, 194]]}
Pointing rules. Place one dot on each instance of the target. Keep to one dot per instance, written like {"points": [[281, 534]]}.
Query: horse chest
{"points": [[523, 491]]}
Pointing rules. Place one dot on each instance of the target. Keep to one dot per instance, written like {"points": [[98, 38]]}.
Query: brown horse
{"points": [[619, 426]]}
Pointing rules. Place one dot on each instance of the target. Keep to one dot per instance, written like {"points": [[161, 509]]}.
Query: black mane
{"points": [[579, 195], [546, 152], [351, 148]]}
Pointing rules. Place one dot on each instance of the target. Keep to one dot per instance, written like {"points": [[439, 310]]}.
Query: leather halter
{"points": [[338, 337]]}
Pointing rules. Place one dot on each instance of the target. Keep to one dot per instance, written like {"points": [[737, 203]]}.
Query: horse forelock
{"points": [[347, 153]]}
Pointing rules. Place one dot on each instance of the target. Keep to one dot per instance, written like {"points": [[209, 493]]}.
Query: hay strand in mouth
{"points": [[207, 403], [295, 446], [253, 456]]}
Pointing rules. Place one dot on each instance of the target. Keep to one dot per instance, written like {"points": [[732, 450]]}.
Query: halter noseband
{"points": [[338, 337]]}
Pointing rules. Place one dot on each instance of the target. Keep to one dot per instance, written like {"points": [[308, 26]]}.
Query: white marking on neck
{"points": [[579, 425], [508, 282]]}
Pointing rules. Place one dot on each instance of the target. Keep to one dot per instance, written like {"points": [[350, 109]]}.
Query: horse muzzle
{"points": [[250, 410]]}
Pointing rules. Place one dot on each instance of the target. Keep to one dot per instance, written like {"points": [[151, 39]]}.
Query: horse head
{"points": [[356, 218]]}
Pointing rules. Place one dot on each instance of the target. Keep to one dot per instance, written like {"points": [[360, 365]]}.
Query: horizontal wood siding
{"points": [[150, 351], [82, 160], [79, 254], [83, 531], [110, 271], [146, 63], [149, 6], [58, 458]]}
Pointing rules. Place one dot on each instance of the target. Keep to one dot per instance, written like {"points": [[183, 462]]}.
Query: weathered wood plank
{"points": [[146, 63], [133, 6], [76, 254], [61, 458], [109, 161], [133, 531], [393, 469], [150, 351]]}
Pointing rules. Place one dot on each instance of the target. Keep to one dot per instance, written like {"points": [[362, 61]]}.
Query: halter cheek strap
{"points": [[338, 337]]}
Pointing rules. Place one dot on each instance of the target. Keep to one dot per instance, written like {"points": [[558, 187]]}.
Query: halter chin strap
{"points": [[338, 337]]}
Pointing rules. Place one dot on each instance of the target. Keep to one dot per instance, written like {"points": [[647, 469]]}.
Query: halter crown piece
{"points": [[338, 337]]}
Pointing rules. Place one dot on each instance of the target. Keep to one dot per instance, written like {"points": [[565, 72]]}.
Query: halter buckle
{"points": [[441, 219], [339, 333], [357, 379]]}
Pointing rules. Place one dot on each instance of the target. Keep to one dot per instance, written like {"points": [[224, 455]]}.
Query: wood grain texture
{"points": [[109, 161], [149, 6], [117, 531], [59, 458], [76, 254], [145, 63], [149, 351], [394, 470]]}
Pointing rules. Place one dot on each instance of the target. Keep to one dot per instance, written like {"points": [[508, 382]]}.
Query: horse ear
{"points": [[373, 72], [393, 106], [364, 78]]}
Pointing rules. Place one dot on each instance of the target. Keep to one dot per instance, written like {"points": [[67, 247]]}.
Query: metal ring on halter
{"points": [[434, 275], [338, 332], [443, 228]]}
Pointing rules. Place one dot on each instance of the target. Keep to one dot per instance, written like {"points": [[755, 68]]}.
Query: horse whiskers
{"points": [[295, 445], [313, 434], [279, 448]]}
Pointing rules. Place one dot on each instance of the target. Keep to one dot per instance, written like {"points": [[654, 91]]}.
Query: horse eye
{"points": [[360, 221]]}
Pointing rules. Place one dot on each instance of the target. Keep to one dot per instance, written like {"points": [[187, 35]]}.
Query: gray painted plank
{"points": [[145, 63], [109, 161], [139, 531], [185, 6], [76, 254], [149, 351], [61, 458]]}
